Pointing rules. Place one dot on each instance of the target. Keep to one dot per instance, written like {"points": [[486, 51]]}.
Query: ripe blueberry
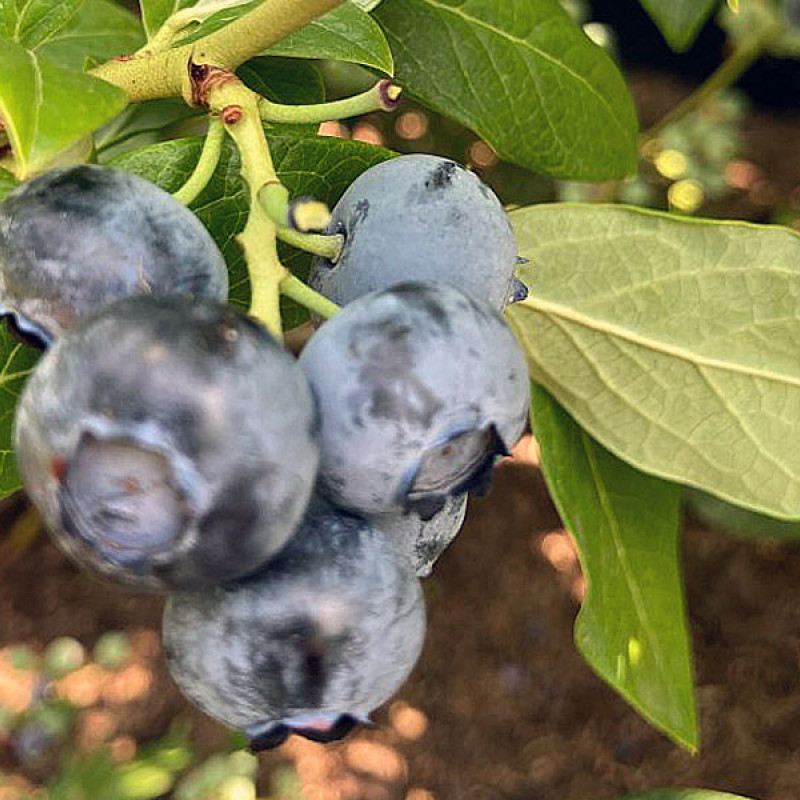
{"points": [[424, 540], [73, 239], [420, 218], [168, 442], [310, 644], [419, 387]]}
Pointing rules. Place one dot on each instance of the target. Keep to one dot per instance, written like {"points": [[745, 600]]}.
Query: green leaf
{"points": [[100, 30], [722, 516], [90, 777], [679, 20], [632, 628], [17, 362], [47, 108], [685, 794], [672, 341], [345, 34], [321, 167], [523, 76], [155, 12], [31, 22], [142, 124], [7, 183], [288, 81]]}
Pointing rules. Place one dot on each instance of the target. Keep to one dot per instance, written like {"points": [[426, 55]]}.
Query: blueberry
{"points": [[168, 442], [323, 634], [75, 238], [419, 387], [424, 540], [420, 217]]}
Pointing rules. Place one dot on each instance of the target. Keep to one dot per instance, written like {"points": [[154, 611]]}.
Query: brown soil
{"points": [[501, 706]]}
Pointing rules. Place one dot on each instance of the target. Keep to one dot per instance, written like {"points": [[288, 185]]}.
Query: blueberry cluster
{"points": [[288, 506]]}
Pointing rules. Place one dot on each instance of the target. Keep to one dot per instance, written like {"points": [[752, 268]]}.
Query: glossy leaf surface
{"points": [[632, 627], [523, 76]]}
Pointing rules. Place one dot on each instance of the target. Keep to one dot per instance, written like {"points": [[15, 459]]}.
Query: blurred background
{"points": [[501, 706]]}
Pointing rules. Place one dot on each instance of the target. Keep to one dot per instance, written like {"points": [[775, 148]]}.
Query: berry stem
{"points": [[383, 96], [148, 75], [258, 239], [740, 59], [206, 164], [302, 293], [326, 245]]}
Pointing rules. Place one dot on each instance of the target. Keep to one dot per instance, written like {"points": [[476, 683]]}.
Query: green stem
{"points": [[148, 76], [274, 199], [381, 97], [302, 293], [743, 55], [258, 239], [206, 164], [326, 245]]}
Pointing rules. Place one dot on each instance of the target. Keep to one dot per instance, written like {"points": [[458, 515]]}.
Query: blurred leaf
{"points": [[155, 12], [345, 34], [7, 183], [237, 740], [174, 759], [139, 781], [89, 777], [679, 20], [204, 779], [173, 752], [672, 341], [47, 108], [632, 627], [523, 76], [17, 361], [726, 517], [31, 22], [286, 784], [54, 718], [100, 30], [321, 167], [243, 763]]}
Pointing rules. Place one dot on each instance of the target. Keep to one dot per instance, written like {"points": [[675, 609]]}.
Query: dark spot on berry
{"points": [[360, 213], [425, 299], [441, 176]]}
